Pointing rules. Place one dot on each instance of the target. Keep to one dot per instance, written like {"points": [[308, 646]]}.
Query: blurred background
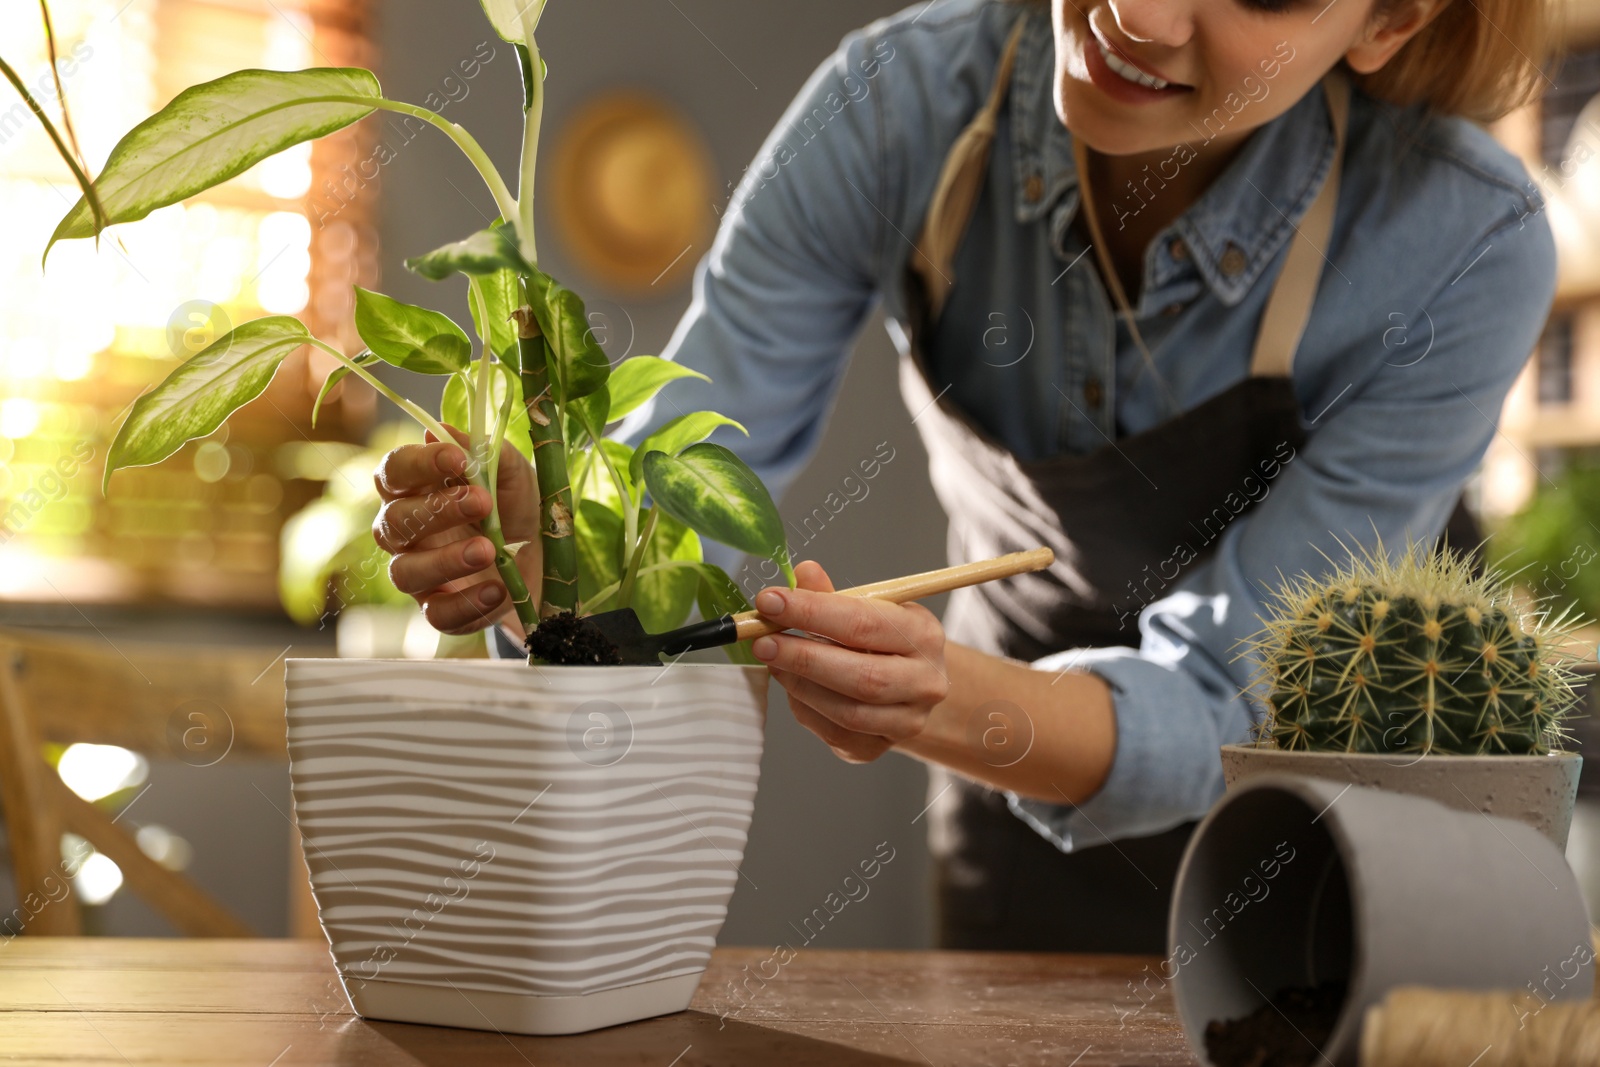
{"points": [[256, 540]]}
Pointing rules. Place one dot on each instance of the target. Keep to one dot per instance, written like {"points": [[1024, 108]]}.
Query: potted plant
{"points": [[1413, 674], [541, 850]]}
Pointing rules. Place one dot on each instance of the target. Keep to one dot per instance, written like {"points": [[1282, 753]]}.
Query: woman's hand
{"points": [[428, 522], [872, 689]]}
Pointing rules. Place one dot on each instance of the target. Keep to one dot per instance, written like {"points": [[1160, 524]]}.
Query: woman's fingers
{"points": [[417, 572], [859, 622], [413, 469], [466, 610], [404, 523], [889, 722], [848, 746], [862, 676]]}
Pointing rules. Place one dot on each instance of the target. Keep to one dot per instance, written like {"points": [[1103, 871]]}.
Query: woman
{"points": [[1263, 287]]}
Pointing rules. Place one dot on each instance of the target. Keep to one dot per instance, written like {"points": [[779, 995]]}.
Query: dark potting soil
{"points": [[1291, 1031], [569, 639]]}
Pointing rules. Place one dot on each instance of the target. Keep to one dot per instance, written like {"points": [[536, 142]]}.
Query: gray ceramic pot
{"points": [[1291, 881], [1537, 790]]}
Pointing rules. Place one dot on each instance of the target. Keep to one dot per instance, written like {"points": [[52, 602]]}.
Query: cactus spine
{"points": [[1413, 654]]}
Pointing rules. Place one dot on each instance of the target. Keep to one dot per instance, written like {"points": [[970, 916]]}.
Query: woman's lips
{"points": [[1117, 85]]}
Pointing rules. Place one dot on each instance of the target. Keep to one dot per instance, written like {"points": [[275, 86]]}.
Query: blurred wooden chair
{"points": [[165, 701]]}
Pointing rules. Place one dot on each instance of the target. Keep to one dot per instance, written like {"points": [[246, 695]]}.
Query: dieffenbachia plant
{"points": [[539, 374]]}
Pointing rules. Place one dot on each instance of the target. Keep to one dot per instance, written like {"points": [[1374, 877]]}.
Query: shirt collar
{"points": [[1250, 211]]}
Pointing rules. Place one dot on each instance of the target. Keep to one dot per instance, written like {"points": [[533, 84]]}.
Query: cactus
{"points": [[1414, 654]]}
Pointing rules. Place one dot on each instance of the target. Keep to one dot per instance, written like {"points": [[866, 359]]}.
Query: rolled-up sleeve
{"points": [[1386, 460]]}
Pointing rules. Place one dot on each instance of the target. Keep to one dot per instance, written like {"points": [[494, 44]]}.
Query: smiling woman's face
{"points": [[1142, 75]]}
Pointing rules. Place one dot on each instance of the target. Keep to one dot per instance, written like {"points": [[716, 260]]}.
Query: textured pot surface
{"points": [[1537, 790], [1292, 881], [539, 851]]}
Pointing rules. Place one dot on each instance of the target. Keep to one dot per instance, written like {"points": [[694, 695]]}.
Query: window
{"points": [[80, 341], [1555, 362]]}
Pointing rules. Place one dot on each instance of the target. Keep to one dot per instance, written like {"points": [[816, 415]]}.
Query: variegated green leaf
{"points": [[674, 436], [637, 379], [485, 252], [214, 131], [599, 530], [198, 396], [514, 20], [580, 364], [663, 598], [410, 337], [710, 490], [500, 298]]}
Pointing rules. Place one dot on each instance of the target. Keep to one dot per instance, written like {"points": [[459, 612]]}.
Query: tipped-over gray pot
{"points": [[1290, 881], [1537, 790]]}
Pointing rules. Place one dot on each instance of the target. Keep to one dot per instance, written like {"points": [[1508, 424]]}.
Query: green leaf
{"points": [[717, 596], [662, 600], [599, 531], [499, 334], [593, 408], [214, 131], [310, 549], [410, 337], [673, 437], [485, 252], [514, 20], [709, 489], [636, 380], [580, 364], [365, 359], [198, 396]]}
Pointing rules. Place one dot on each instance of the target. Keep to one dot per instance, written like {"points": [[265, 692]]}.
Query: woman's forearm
{"points": [[1042, 734]]}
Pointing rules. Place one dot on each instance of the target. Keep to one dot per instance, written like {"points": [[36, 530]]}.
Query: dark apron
{"points": [[1108, 515]]}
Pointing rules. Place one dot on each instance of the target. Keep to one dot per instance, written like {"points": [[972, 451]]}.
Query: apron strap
{"points": [[956, 193], [1289, 307]]}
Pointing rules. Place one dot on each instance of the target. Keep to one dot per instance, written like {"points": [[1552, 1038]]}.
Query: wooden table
{"points": [[278, 1003]]}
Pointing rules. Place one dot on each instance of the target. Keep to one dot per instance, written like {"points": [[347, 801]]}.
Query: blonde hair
{"points": [[1479, 59]]}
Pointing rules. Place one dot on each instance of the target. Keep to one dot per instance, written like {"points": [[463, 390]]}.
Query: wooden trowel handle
{"points": [[916, 586]]}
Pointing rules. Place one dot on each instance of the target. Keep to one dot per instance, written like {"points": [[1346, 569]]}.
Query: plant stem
{"points": [[559, 591], [428, 421], [67, 157], [464, 140], [532, 119], [631, 571], [505, 564]]}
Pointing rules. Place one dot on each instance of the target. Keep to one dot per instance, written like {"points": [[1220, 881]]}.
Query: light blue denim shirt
{"points": [[1441, 269]]}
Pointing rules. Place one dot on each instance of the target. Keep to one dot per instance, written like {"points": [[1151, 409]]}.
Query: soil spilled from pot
{"points": [[568, 639], [1289, 1032]]}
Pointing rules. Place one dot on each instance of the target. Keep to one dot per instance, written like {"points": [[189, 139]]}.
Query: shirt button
{"points": [[1093, 393], [1177, 249], [1233, 261], [1033, 189]]}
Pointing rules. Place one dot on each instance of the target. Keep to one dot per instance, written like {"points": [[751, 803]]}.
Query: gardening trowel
{"points": [[623, 629]]}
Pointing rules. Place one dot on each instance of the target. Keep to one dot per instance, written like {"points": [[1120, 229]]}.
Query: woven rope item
{"points": [[1439, 1028]]}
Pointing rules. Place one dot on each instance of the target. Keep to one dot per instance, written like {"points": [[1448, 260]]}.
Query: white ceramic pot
{"points": [[537, 851], [1291, 881], [1537, 790]]}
